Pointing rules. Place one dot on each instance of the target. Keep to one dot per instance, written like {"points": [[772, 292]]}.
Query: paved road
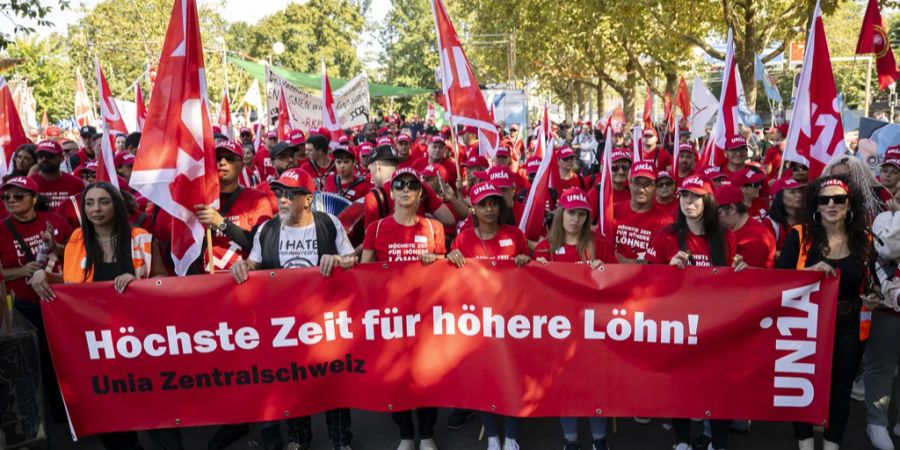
{"points": [[376, 431]]}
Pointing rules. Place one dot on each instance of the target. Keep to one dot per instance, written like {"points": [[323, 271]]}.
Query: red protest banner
{"points": [[560, 340]]}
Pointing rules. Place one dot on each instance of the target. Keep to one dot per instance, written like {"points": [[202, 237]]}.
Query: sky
{"points": [[250, 11]]}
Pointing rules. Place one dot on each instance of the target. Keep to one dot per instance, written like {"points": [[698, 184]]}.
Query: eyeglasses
{"points": [[824, 200], [666, 184], [640, 186], [412, 184], [17, 196], [620, 168], [289, 194]]}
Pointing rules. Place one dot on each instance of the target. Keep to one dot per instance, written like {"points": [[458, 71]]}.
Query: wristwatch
{"points": [[222, 226]]}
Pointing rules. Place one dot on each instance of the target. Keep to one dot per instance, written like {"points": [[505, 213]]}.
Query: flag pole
{"points": [[209, 250], [459, 178]]}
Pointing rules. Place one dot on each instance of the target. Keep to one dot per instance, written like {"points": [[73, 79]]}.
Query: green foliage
{"points": [[410, 50], [25, 9], [46, 68]]}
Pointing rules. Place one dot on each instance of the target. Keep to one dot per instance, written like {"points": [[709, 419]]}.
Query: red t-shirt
{"points": [[665, 245], [445, 167], [313, 169], [585, 183], [263, 164], [60, 189], [430, 203], [618, 196], [352, 190], [11, 255], [659, 156], [509, 242], [759, 207], [756, 244], [670, 208], [603, 251], [251, 208], [394, 242], [635, 231]]}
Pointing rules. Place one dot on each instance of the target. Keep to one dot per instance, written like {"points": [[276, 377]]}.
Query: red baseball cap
{"points": [[696, 184], [217, 129], [245, 130], [892, 152], [322, 131], [712, 173], [783, 128], [470, 129], [429, 171], [644, 169], [53, 131], [344, 139], [735, 142], [296, 137], [664, 174], [574, 198], [49, 147], [502, 151], [687, 147], [482, 191], [384, 141], [501, 176], [532, 164], [836, 182], [728, 194], [620, 153], [403, 138], [565, 152], [232, 147], [476, 161], [271, 135], [90, 166], [295, 180], [21, 182], [746, 176], [406, 171], [124, 159], [786, 184], [892, 162], [436, 139], [364, 149]]}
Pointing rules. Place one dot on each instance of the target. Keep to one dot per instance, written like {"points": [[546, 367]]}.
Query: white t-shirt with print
{"points": [[298, 246]]}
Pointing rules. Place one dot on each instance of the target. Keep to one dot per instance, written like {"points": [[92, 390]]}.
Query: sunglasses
{"points": [[641, 186], [289, 194], [570, 158], [824, 200], [45, 155], [620, 168], [229, 157], [17, 196], [796, 167], [666, 184], [412, 184]]}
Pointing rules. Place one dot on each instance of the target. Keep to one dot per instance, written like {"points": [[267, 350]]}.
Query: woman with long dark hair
{"points": [[696, 239], [105, 248], [24, 158], [833, 235], [787, 205]]}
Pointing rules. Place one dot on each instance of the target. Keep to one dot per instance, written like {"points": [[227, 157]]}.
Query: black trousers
{"points": [[427, 418]]}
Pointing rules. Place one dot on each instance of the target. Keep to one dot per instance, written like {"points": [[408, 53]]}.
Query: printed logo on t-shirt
{"points": [[421, 239], [561, 251], [506, 242], [297, 250]]}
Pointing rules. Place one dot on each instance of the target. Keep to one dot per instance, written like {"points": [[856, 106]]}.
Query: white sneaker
{"points": [[683, 446], [427, 444], [407, 444], [858, 392], [831, 445], [880, 437], [510, 444], [494, 443], [642, 420], [807, 444]]}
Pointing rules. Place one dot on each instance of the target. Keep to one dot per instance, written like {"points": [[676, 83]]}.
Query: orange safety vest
{"points": [[75, 258], [865, 314]]}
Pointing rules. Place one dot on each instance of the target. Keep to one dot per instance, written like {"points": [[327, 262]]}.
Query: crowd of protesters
{"points": [[426, 194]]}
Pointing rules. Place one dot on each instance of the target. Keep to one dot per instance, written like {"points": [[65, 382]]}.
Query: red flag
{"points": [[141, 107], [465, 103], [605, 222], [84, 110], [544, 133], [179, 170], [648, 110], [727, 120], [816, 134], [330, 119], [12, 135], [874, 38], [225, 116], [683, 98], [45, 122], [669, 115], [284, 117], [112, 121], [532, 222]]}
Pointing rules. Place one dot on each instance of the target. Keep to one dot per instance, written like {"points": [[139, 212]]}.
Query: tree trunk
{"points": [[631, 78], [671, 83], [601, 106]]}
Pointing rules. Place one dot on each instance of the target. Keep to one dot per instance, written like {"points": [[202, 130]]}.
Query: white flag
{"points": [[703, 108], [253, 97]]}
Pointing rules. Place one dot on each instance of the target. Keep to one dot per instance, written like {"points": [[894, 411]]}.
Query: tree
{"points": [[310, 32], [409, 48], [45, 66], [29, 10]]}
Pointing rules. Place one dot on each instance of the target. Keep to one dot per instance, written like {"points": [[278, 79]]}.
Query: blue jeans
{"points": [[570, 427], [491, 424]]}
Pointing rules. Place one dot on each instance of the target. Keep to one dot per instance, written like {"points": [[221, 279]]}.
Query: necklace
{"points": [[483, 245]]}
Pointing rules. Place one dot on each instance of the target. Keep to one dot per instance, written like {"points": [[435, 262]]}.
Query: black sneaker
{"points": [[571, 446], [702, 443], [458, 418], [600, 444], [227, 435]]}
